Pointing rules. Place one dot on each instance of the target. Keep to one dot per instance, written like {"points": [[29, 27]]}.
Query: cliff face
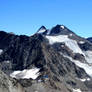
{"points": [[55, 60]]}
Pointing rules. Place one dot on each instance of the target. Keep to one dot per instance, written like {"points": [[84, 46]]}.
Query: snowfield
{"points": [[26, 74], [71, 44]]}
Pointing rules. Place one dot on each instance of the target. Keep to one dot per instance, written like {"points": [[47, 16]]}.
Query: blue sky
{"points": [[26, 16]]}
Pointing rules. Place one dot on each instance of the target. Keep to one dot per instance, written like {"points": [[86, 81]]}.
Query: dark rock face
{"points": [[86, 46], [89, 39], [57, 72]]}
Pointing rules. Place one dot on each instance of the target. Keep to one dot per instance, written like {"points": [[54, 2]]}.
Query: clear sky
{"points": [[26, 16]]}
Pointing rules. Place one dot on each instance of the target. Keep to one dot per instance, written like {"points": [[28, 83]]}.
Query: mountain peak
{"points": [[56, 30], [60, 30], [42, 29]]}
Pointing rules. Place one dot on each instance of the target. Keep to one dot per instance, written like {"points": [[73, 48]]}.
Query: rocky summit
{"points": [[51, 60]]}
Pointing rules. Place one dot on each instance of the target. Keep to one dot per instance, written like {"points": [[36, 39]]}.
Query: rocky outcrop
{"points": [[8, 84]]}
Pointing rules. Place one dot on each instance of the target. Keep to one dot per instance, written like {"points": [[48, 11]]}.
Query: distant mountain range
{"points": [[51, 60]]}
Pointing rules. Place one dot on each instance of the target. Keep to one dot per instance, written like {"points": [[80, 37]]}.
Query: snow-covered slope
{"points": [[85, 66], [71, 44], [88, 56]]}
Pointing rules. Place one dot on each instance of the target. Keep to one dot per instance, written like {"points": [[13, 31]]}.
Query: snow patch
{"points": [[1, 51], [88, 79], [62, 46], [81, 42], [41, 31], [36, 91], [77, 90], [70, 34], [62, 27], [7, 61], [85, 79], [26, 74], [71, 44]]}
